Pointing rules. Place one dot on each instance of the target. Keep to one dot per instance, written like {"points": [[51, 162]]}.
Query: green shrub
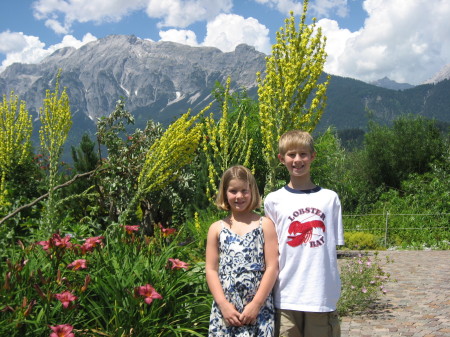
{"points": [[362, 241], [118, 284], [363, 281]]}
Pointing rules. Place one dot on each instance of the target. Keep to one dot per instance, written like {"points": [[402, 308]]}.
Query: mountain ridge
{"points": [[387, 83], [162, 80]]}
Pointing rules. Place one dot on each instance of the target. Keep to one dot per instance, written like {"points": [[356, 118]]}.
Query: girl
{"points": [[241, 261]]}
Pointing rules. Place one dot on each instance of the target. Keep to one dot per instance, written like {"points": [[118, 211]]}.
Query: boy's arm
{"points": [[339, 224], [252, 309], [268, 212], [229, 312]]}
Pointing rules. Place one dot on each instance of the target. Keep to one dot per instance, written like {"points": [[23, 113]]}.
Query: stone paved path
{"points": [[417, 305]]}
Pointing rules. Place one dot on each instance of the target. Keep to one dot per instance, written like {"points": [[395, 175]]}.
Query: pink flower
{"points": [[64, 242], [66, 297], [46, 245], [364, 290], [149, 293], [167, 231], [131, 229], [177, 264], [62, 330], [91, 243], [78, 264]]}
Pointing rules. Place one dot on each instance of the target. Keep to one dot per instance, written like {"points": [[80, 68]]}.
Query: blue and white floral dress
{"points": [[241, 267]]}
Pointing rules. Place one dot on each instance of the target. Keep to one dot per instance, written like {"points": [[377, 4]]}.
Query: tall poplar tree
{"points": [[290, 94]]}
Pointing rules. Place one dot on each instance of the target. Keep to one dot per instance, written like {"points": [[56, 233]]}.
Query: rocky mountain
{"points": [[161, 80], [443, 74], [387, 83]]}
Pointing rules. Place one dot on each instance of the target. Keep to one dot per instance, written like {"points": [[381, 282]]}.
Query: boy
{"points": [[308, 222]]}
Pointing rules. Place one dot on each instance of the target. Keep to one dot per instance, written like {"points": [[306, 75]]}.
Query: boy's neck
{"points": [[301, 183]]}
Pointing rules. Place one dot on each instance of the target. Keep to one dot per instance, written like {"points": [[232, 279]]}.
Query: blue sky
{"points": [[405, 40]]}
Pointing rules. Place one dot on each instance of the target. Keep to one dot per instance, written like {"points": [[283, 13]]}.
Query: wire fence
{"points": [[392, 225]]}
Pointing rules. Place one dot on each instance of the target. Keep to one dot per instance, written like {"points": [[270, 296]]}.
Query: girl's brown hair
{"points": [[242, 173]]}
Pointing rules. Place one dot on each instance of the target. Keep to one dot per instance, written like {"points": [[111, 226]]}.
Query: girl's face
{"points": [[239, 195]]}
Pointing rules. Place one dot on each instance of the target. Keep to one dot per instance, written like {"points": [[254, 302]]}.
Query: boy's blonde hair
{"points": [[295, 139], [242, 173]]}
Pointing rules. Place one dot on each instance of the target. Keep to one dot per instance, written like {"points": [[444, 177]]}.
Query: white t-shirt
{"points": [[309, 226]]}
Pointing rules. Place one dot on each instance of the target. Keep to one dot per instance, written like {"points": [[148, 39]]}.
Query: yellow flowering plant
{"points": [[15, 133], [166, 158], [290, 94], [225, 142], [56, 121]]}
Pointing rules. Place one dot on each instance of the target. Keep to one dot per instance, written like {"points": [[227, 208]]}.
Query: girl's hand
{"points": [[230, 314], [251, 311]]}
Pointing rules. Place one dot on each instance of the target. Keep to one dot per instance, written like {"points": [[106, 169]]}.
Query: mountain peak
{"points": [[387, 83]]}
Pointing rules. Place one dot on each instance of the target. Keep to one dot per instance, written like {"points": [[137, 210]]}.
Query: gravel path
{"points": [[417, 305]]}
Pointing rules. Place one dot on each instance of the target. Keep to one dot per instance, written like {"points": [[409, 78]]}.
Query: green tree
{"points": [[56, 121], [393, 153], [79, 200], [85, 157], [290, 95], [126, 155], [328, 169]]}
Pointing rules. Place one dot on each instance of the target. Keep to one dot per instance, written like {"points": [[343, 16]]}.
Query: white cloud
{"points": [[284, 6], [29, 49], [404, 40], [227, 31], [323, 8], [11, 42], [336, 43], [70, 41], [320, 8], [60, 14], [57, 27], [180, 36], [182, 13]]}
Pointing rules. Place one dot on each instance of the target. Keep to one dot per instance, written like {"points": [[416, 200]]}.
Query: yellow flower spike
{"points": [[292, 73], [172, 151], [15, 134], [196, 221], [228, 141]]}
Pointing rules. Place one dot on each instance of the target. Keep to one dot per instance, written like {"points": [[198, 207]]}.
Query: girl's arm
{"points": [[228, 310], [252, 309]]}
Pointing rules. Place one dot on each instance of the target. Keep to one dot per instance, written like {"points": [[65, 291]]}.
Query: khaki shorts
{"points": [[290, 323]]}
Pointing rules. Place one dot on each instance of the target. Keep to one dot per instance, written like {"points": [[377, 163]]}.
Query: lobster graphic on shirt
{"points": [[301, 232]]}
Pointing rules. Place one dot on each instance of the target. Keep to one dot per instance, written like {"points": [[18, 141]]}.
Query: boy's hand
{"points": [[230, 314], [251, 311]]}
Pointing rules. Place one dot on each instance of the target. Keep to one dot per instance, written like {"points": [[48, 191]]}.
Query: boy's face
{"points": [[298, 161]]}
